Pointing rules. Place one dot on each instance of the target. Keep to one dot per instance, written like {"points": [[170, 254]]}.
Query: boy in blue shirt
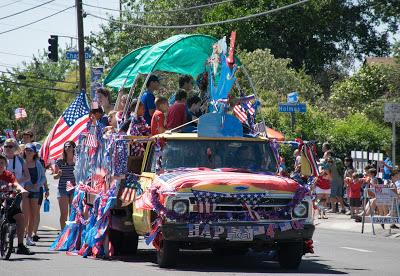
{"points": [[148, 98]]}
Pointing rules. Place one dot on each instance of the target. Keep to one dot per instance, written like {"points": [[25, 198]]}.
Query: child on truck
{"points": [[158, 121]]}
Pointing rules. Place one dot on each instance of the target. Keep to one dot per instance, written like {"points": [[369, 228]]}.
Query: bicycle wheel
{"points": [[6, 241]]}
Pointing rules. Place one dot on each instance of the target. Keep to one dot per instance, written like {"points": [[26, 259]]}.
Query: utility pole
{"points": [[81, 45], [394, 142]]}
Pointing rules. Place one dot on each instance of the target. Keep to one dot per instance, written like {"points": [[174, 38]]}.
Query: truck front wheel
{"points": [[168, 254], [289, 255]]}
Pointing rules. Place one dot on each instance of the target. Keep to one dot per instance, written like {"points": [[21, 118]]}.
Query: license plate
{"points": [[240, 233]]}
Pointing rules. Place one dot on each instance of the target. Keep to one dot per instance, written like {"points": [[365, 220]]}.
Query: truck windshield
{"points": [[249, 155]]}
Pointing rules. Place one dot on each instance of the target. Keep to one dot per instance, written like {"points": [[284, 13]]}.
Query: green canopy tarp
{"points": [[182, 54], [122, 68]]}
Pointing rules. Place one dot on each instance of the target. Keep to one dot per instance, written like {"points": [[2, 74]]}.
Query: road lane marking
{"points": [[50, 228], [357, 249]]}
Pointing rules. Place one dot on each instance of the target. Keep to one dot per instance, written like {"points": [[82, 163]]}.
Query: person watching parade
{"points": [[35, 188], [65, 173], [9, 184]]}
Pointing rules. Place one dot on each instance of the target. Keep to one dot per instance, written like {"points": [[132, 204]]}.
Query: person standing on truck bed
{"points": [[177, 112], [148, 98]]}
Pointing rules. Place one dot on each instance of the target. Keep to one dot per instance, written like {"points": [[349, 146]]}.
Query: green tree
{"points": [[316, 35], [28, 88], [366, 91]]}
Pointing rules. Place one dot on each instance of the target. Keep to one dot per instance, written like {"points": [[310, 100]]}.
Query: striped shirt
{"points": [[67, 174]]}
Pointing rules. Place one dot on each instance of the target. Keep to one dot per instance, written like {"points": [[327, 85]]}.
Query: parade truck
{"points": [[220, 193], [210, 183]]}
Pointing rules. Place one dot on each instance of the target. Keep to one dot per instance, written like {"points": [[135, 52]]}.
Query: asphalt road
{"points": [[336, 252]]}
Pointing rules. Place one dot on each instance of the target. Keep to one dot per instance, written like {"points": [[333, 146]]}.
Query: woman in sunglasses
{"points": [[34, 187], [64, 171], [15, 163]]}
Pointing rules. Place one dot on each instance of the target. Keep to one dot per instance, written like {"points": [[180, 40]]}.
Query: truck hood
{"points": [[222, 180]]}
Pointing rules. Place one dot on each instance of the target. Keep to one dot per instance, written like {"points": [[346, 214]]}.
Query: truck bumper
{"points": [[180, 233]]}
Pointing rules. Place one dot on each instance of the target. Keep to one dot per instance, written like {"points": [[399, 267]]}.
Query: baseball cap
{"points": [[31, 147], [153, 78], [10, 142]]}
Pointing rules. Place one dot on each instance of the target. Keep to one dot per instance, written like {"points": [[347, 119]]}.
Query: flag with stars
{"points": [[67, 128]]}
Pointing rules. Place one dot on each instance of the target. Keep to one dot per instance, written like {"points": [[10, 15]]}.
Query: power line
{"points": [[22, 75], [247, 17], [37, 87], [9, 4], [32, 8], [33, 29], [33, 22], [13, 54], [167, 11]]}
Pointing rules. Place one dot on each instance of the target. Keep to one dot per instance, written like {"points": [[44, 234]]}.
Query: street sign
{"points": [[292, 108], [71, 55], [293, 97], [392, 112]]}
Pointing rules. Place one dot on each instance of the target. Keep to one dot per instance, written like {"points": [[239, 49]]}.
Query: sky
{"points": [[20, 45]]}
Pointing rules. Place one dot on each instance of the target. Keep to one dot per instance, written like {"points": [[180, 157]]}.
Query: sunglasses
{"points": [[8, 147], [67, 147]]}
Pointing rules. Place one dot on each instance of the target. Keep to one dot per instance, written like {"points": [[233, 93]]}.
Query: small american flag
{"points": [[252, 213], [91, 140], [67, 128], [70, 186], [205, 207], [20, 113], [128, 195], [240, 111]]}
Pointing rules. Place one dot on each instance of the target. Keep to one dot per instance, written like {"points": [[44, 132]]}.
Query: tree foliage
{"points": [[366, 91], [27, 88], [315, 36]]}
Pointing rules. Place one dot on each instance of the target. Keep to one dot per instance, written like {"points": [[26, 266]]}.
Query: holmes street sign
{"points": [[292, 107]]}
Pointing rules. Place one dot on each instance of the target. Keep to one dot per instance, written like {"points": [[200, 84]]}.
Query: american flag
{"points": [[20, 113], [253, 213], [128, 195], [91, 140], [67, 128], [240, 111], [70, 186], [205, 207]]}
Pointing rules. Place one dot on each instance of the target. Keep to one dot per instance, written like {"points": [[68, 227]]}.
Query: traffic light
{"points": [[53, 48]]}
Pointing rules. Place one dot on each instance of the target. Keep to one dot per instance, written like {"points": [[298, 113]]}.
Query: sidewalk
{"points": [[343, 222]]}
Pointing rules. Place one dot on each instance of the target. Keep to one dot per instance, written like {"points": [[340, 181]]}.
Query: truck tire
{"points": [[168, 254], [124, 243], [289, 255], [228, 251]]}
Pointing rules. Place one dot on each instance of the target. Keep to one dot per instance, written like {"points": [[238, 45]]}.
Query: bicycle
{"points": [[7, 228]]}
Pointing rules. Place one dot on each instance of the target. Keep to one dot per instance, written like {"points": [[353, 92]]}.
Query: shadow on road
{"points": [[16, 259], [205, 261]]}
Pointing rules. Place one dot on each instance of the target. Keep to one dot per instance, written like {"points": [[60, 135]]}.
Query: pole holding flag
{"points": [[67, 128]]}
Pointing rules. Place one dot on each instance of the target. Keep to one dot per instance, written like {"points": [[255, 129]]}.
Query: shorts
{"points": [[41, 196], [336, 190], [12, 212], [355, 202], [318, 190], [63, 192], [34, 195]]}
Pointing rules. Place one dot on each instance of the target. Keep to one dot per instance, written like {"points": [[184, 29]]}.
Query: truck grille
{"points": [[233, 209]]}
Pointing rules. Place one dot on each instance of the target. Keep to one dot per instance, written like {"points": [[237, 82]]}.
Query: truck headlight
{"points": [[301, 210], [180, 207]]}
